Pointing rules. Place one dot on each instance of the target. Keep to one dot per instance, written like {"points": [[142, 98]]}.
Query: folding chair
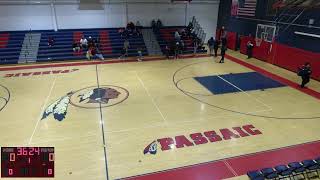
{"points": [[312, 168], [283, 171], [269, 173], [297, 168], [255, 175]]}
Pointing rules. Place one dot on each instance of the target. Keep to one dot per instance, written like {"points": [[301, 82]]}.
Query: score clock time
{"points": [[27, 161]]}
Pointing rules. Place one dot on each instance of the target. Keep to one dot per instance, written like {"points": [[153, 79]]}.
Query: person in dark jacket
{"points": [[211, 45], [223, 52], [224, 41], [305, 73], [167, 51], [249, 49], [216, 47]]}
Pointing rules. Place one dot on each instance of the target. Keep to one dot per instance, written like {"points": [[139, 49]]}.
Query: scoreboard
{"points": [[27, 162]]}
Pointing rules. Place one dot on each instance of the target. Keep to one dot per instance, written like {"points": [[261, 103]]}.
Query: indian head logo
{"points": [[151, 148], [199, 138], [88, 98], [4, 97]]}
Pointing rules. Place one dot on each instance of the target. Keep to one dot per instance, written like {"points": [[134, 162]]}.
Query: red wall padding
{"points": [[261, 52], [291, 58], [231, 40], [4, 38]]}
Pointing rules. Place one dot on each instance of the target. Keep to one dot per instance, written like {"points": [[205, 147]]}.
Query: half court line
{"points": [[102, 128]]}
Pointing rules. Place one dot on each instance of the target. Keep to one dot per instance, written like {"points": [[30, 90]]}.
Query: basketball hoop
{"points": [[258, 42]]}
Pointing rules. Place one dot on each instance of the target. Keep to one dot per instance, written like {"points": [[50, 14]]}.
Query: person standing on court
{"points": [[249, 49], [216, 47], [224, 41], [223, 52], [211, 45], [305, 73]]}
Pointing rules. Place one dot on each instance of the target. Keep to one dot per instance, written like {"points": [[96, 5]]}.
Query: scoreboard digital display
{"points": [[27, 162]]}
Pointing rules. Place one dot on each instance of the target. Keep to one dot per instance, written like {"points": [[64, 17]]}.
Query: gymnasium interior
{"points": [[160, 89]]}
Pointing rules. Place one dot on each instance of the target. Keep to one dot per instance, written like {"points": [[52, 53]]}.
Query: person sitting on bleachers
{"points": [[50, 41], [91, 42], [96, 42], [96, 52], [177, 36], [84, 43], [124, 52], [183, 33], [76, 47], [89, 54]]}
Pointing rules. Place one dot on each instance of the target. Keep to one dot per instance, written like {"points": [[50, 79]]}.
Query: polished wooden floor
{"points": [[92, 143]]}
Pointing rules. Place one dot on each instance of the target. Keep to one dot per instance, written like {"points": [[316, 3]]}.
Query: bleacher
{"points": [[166, 36], [307, 169], [111, 44], [10, 46]]}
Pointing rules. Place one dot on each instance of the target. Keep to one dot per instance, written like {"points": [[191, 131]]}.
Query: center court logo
{"points": [[89, 98]]}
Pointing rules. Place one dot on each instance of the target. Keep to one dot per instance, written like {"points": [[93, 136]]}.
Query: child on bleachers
{"points": [[96, 52], [89, 54]]}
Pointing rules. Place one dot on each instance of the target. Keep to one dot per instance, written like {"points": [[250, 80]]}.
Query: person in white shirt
{"points": [[177, 36], [83, 42]]}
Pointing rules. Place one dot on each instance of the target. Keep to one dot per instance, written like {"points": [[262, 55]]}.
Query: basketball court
{"points": [[122, 120]]}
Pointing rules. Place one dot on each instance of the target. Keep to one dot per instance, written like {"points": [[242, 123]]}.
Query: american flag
{"points": [[244, 7]]}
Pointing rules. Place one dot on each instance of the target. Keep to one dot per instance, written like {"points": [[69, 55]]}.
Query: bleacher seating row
{"points": [[307, 169], [10, 47], [166, 36], [111, 44]]}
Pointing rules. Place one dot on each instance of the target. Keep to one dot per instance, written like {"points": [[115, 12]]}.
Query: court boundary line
{"points": [[219, 160], [102, 129], [42, 110], [88, 63]]}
